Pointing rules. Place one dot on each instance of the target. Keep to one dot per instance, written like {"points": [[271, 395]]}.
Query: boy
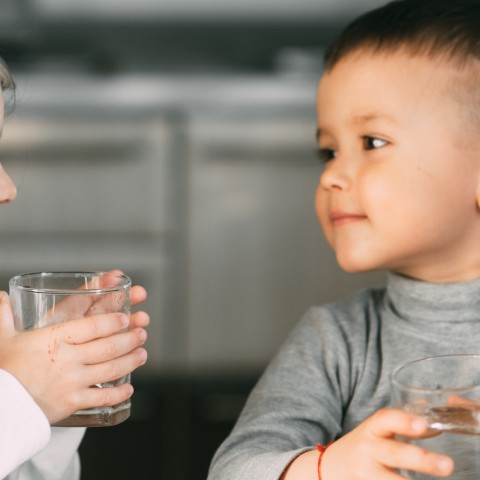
{"points": [[399, 131]]}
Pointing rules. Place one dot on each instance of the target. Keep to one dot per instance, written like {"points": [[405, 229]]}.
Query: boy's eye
{"points": [[326, 154], [371, 143]]}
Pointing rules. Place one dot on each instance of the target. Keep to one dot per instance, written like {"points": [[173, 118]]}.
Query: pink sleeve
{"points": [[24, 429]]}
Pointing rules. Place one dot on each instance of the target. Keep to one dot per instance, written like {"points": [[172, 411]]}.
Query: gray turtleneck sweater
{"points": [[333, 370]]}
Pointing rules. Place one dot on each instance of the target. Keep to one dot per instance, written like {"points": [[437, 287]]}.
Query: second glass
{"points": [[445, 391]]}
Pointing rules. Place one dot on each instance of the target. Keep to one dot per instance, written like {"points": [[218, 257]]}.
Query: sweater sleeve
{"points": [[24, 427], [296, 404]]}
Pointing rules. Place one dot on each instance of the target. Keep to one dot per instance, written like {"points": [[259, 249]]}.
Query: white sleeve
{"points": [[58, 461], [24, 429]]}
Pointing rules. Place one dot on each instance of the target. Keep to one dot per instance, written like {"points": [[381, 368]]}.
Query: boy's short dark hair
{"points": [[431, 27]]}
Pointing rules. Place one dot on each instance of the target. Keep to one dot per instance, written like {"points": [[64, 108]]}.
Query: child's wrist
{"points": [[321, 450]]}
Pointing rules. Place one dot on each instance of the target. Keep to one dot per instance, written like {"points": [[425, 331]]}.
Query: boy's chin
{"points": [[354, 265], [356, 270]]}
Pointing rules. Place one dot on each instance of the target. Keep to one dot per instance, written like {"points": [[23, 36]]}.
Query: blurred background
{"points": [[174, 139]]}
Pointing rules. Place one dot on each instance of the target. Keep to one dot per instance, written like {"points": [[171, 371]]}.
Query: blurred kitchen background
{"points": [[174, 139]]}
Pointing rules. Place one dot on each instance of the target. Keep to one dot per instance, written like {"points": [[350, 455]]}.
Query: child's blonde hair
{"points": [[8, 87], [6, 80]]}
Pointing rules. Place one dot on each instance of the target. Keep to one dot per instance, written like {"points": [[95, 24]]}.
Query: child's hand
{"points": [[138, 319], [371, 451], [92, 304], [58, 364]]}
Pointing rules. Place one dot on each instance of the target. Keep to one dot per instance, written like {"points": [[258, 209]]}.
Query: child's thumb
{"points": [[7, 327]]}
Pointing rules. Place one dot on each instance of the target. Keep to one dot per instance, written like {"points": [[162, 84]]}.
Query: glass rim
{"points": [[125, 282], [403, 386]]}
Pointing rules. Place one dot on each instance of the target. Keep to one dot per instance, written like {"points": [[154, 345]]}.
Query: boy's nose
{"points": [[335, 176], [8, 190]]}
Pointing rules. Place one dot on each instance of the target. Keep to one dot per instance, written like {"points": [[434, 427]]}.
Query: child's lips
{"points": [[343, 218]]}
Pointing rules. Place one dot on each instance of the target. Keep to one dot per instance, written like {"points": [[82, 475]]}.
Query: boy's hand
{"points": [[371, 451]]}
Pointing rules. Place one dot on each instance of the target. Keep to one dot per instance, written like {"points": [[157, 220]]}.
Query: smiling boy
{"points": [[402, 167], [399, 132]]}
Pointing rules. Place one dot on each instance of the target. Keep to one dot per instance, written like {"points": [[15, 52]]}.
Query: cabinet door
{"points": [[84, 174]]}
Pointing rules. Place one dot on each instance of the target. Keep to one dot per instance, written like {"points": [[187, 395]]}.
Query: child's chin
{"points": [[353, 265]]}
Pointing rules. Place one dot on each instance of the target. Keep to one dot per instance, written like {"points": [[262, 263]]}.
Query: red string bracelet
{"points": [[321, 450]]}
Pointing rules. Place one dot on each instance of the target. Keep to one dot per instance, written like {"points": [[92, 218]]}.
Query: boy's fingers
{"points": [[89, 328], [388, 422], [396, 454], [7, 326]]}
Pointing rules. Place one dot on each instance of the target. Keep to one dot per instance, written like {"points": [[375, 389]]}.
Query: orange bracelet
{"points": [[321, 450]]}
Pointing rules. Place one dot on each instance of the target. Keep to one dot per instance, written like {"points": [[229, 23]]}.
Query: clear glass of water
{"points": [[445, 391], [47, 298]]}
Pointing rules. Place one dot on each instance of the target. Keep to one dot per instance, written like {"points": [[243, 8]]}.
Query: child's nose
{"points": [[336, 176], [8, 190]]}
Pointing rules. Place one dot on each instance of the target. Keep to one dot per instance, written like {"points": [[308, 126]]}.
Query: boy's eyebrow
{"points": [[318, 133], [370, 117], [362, 118]]}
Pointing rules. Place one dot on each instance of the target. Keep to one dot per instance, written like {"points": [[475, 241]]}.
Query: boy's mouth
{"points": [[343, 218]]}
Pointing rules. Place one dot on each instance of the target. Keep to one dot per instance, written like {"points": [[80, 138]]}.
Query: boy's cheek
{"points": [[327, 230], [323, 215]]}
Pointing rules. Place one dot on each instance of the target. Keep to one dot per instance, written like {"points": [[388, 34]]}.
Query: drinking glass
{"points": [[47, 298], [445, 391]]}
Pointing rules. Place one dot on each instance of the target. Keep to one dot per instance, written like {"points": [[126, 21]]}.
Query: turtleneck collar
{"points": [[416, 300]]}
